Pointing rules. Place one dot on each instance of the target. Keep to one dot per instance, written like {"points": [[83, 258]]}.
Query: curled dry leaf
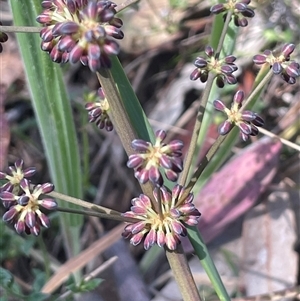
{"points": [[233, 190]]}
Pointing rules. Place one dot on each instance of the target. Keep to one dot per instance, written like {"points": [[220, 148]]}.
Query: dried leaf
{"points": [[237, 186]]}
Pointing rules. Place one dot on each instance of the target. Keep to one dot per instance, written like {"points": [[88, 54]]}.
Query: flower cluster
{"points": [[280, 63], [23, 203], [98, 111], [150, 157], [3, 38], [245, 120], [166, 227], [240, 11], [80, 30], [222, 68], [14, 177]]}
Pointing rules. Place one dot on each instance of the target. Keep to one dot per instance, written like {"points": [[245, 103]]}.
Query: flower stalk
{"points": [[183, 274]]}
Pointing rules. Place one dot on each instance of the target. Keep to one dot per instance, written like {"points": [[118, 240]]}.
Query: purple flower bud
{"points": [[66, 28], [225, 127], [20, 226], [258, 121], [23, 200], [218, 8], [244, 136], [29, 172], [245, 128], [66, 44], [230, 59], [293, 70], [35, 230], [48, 203], [46, 34], [277, 68], [195, 74], [287, 50], [136, 239], [150, 239], [248, 116], [259, 59], [209, 51], [220, 81], [155, 176], [171, 175], [44, 220], [140, 145], [10, 214], [239, 97], [30, 219], [176, 145], [165, 161], [219, 105], [248, 12], [142, 175], [47, 188], [76, 54], [7, 196], [240, 6], [44, 18], [200, 62], [71, 6]]}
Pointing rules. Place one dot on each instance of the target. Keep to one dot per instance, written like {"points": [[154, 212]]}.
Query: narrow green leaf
{"points": [[54, 116]]}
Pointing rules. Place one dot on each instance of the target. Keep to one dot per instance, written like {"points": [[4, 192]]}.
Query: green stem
{"points": [[182, 274], [189, 158], [121, 121], [207, 262], [213, 149], [223, 34], [201, 111], [98, 214], [83, 203]]}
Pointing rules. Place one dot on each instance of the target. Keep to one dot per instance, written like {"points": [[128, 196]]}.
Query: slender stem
{"points": [[125, 4], [121, 122], [96, 214], [204, 162], [207, 262], [182, 274], [282, 140], [197, 126], [82, 203], [25, 29], [201, 111], [224, 32]]}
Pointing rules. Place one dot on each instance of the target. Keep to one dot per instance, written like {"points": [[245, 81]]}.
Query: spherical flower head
{"points": [[149, 158], [166, 227], [280, 63], [14, 177], [80, 30], [239, 9], [247, 121], [3, 38], [24, 210], [98, 111], [221, 68]]}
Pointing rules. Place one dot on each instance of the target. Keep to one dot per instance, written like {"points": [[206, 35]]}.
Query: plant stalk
{"points": [[182, 274]]}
